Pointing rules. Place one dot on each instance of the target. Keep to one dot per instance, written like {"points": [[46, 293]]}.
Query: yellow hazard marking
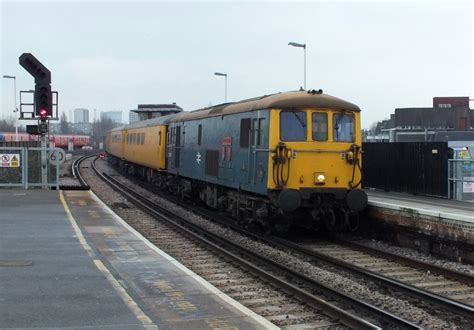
{"points": [[175, 295], [93, 214], [219, 324], [132, 305], [14, 159], [74, 225], [136, 310]]}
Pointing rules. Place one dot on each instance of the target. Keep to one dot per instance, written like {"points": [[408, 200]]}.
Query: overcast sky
{"points": [[113, 55]]}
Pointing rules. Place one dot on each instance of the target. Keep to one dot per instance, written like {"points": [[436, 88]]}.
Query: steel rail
{"points": [[448, 273], [385, 318], [76, 173], [453, 305]]}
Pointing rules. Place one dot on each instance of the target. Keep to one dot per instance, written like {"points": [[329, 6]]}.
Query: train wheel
{"points": [[354, 222], [330, 220]]}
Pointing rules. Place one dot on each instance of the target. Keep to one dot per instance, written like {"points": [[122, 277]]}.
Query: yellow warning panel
{"points": [[15, 161], [9, 160]]}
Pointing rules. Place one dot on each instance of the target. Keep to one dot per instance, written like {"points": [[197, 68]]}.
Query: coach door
{"points": [[177, 146]]}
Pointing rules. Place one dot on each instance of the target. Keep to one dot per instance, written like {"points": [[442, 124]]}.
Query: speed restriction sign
{"points": [[57, 157]]}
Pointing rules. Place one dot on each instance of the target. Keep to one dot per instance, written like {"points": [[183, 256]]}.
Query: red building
{"points": [[451, 102]]}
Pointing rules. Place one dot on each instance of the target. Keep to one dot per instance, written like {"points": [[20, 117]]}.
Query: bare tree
{"points": [[7, 125], [100, 128], [63, 124]]}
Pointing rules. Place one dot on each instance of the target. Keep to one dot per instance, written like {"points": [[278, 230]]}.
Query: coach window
{"points": [[159, 138], [199, 134], [343, 127], [245, 132], [320, 126], [293, 126]]}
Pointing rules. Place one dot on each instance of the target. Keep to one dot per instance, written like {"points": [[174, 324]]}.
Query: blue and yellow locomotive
{"points": [[280, 159]]}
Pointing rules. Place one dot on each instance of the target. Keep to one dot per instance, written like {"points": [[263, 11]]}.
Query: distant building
{"points": [[149, 111], [133, 117], [450, 119], [81, 128], [81, 116], [115, 116]]}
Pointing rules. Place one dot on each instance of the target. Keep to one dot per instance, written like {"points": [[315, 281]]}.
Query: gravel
{"points": [[418, 312], [407, 252]]}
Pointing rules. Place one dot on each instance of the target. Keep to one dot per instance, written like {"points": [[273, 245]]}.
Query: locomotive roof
{"points": [[163, 120], [284, 100]]}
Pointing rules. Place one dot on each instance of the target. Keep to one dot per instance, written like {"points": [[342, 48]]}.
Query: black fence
{"points": [[419, 168]]}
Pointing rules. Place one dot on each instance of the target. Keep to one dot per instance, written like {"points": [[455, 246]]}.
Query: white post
{"points": [[304, 49], [296, 44], [44, 165], [15, 111], [226, 88]]}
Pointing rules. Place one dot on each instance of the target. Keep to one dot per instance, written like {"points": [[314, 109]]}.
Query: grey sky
{"points": [[114, 55]]}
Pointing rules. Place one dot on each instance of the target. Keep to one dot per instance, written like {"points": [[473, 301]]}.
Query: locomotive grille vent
{"points": [[212, 162]]}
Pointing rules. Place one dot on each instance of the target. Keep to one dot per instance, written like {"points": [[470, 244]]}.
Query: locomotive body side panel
{"points": [[229, 150]]}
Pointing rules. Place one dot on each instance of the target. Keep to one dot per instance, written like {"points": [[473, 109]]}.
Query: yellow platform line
{"points": [[132, 305]]}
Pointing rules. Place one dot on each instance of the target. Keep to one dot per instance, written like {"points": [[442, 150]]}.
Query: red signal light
{"points": [[43, 112]]}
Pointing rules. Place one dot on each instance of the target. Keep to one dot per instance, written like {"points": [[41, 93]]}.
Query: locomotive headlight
{"points": [[319, 178]]}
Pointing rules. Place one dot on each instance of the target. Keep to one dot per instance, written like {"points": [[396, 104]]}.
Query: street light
{"points": [[16, 107], [223, 75], [295, 44]]}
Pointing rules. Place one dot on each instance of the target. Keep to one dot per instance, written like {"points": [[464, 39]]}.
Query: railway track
{"points": [[440, 286], [283, 290], [76, 173], [427, 282]]}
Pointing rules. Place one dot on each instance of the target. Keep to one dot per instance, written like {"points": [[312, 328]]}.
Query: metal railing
{"points": [[461, 179], [36, 167], [9, 173]]}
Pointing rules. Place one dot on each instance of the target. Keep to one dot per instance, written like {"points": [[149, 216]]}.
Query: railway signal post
{"points": [[43, 108]]}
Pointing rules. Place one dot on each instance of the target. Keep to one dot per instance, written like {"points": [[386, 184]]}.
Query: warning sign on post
{"points": [[9, 160], [468, 187]]}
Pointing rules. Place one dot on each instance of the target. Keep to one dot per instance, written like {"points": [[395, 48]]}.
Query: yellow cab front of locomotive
{"points": [[318, 149]]}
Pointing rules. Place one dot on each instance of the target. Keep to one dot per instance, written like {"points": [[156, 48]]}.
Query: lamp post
{"points": [[295, 44], [16, 107], [225, 76]]}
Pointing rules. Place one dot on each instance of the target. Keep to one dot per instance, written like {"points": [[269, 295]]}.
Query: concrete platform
{"points": [[67, 261], [447, 219]]}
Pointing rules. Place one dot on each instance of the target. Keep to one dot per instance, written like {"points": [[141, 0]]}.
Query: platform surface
{"points": [[76, 264], [430, 206]]}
